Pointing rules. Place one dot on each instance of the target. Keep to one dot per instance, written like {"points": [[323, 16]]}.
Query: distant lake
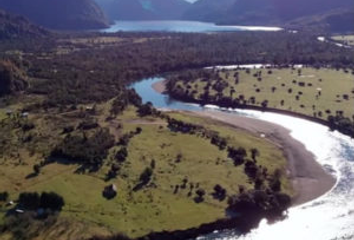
{"points": [[180, 26]]}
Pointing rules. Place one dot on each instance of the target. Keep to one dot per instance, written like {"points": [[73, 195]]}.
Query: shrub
{"points": [[34, 201], [27, 126], [89, 151], [146, 175], [122, 154], [51, 201], [219, 193], [200, 195], [4, 196]]}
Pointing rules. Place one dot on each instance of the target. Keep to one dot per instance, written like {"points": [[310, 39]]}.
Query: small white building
{"points": [[24, 115], [20, 211]]}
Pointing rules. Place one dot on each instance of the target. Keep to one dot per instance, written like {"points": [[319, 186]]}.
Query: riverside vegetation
{"points": [[70, 128], [164, 170], [322, 93]]}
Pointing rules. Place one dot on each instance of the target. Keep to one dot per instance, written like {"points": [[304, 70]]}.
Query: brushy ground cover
{"points": [[182, 160]]}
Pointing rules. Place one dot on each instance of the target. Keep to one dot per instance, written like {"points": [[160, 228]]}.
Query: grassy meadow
{"points": [[178, 157], [346, 39], [310, 91]]}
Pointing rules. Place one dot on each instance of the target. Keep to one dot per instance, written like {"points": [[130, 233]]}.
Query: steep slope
{"points": [[340, 20], [17, 27], [207, 10], [266, 12], [59, 14], [144, 9], [287, 9]]}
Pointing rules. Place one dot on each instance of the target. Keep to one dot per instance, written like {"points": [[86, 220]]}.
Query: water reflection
{"points": [[328, 217], [180, 26]]}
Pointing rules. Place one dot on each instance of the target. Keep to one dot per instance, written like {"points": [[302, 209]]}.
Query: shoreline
{"points": [[160, 86], [308, 177]]}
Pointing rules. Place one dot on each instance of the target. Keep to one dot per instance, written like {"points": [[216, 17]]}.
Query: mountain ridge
{"points": [[59, 14], [16, 27], [144, 9], [271, 12]]}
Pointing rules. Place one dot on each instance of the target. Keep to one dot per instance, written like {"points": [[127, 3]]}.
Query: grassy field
{"points": [[154, 208], [2, 115], [308, 90], [346, 39], [67, 46]]}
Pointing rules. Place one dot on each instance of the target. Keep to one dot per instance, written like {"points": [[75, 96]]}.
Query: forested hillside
{"points": [[122, 65], [17, 27], [144, 9], [59, 14], [336, 21], [275, 12]]}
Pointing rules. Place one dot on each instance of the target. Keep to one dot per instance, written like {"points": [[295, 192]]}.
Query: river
{"points": [[329, 217]]}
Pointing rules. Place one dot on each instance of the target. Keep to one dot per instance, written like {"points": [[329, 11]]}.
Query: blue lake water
{"points": [[179, 26]]}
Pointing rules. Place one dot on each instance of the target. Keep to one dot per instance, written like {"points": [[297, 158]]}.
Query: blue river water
{"points": [[330, 217]]}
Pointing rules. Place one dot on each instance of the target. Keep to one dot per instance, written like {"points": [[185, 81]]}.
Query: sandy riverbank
{"points": [[160, 86], [309, 179]]}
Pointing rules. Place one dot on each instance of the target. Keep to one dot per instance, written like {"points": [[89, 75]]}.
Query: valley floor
{"points": [[183, 161], [308, 177]]}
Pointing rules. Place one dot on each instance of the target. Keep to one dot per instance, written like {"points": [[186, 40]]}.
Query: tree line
{"points": [[179, 86], [98, 74]]}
